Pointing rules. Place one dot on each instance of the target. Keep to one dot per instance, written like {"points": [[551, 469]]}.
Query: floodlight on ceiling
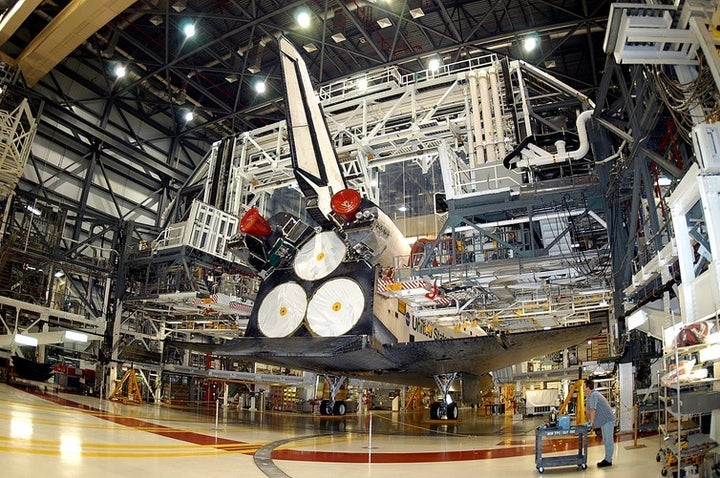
{"points": [[189, 30], [530, 42], [309, 47], [434, 64], [179, 5], [156, 20], [76, 336], [260, 87], [231, 78], [120, 71], [59, 274], [384, 22], [417, 12], [338, 37], [26, 340], [303, 19], [254, 69], [188, 116]]}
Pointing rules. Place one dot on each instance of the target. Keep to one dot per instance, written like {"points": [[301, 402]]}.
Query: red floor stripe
{"points": [[149, 427]]}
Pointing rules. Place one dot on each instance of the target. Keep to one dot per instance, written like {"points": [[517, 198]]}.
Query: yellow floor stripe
{"points": [[54, 443], [98, 454]]}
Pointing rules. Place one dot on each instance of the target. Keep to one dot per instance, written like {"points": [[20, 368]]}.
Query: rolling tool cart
{"points": [[578, 459]]}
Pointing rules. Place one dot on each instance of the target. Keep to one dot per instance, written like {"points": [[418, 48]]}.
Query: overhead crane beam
{"points": [[12, 19], [68, 30]]}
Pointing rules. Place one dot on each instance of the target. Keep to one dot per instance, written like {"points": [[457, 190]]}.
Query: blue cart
{"points": [[579, 459]]}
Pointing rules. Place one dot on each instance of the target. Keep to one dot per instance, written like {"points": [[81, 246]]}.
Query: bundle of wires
{"points": [[687, 100]]}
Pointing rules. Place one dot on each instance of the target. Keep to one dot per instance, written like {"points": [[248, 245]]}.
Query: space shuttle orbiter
{"points": [[316, 307]]}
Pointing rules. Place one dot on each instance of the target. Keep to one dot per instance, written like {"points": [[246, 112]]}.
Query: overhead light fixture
{"points": [[254, 69], [403, 208], [26, 340], [179, 5], [119, 70], [59, 274], [384, 22], [260, 87], [188, 116], [338, 37], [303, 19], [309, 47], [76, 336], [417, 12], [362, 84], [189, 30], [434, 64], [156, 20], [231, 78], [530, 43]]}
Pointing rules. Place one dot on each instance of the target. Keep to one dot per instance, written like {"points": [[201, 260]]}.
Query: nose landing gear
{"points": [[446, 409], [333, 406]]}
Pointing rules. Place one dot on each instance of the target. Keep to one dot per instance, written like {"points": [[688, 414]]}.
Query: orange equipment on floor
{"points": [[131, 393]]}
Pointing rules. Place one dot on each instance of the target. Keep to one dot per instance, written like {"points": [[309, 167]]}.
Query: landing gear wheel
{"points": [[664, 472], [325, 408], [435, 411], [452, 411], [583, 466], [339, 408], [540, 469]]}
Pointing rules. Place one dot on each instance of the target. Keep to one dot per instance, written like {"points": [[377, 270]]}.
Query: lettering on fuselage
{"points": [[380, 229], [418, 326]]}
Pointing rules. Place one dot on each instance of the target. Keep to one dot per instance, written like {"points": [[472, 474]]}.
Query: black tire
{"points": [[340, 408], [452, 411], [435, 411], [540, 469], [664, 472], [325, 408]]}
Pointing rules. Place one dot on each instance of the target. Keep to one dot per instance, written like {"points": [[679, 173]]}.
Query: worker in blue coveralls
{"points": [[600, 415]]}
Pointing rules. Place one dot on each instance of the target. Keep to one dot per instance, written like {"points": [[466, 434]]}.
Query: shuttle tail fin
{"points": [[315, 162]]}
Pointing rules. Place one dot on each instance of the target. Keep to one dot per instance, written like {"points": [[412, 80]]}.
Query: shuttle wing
{"points": [[414, 363]]}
